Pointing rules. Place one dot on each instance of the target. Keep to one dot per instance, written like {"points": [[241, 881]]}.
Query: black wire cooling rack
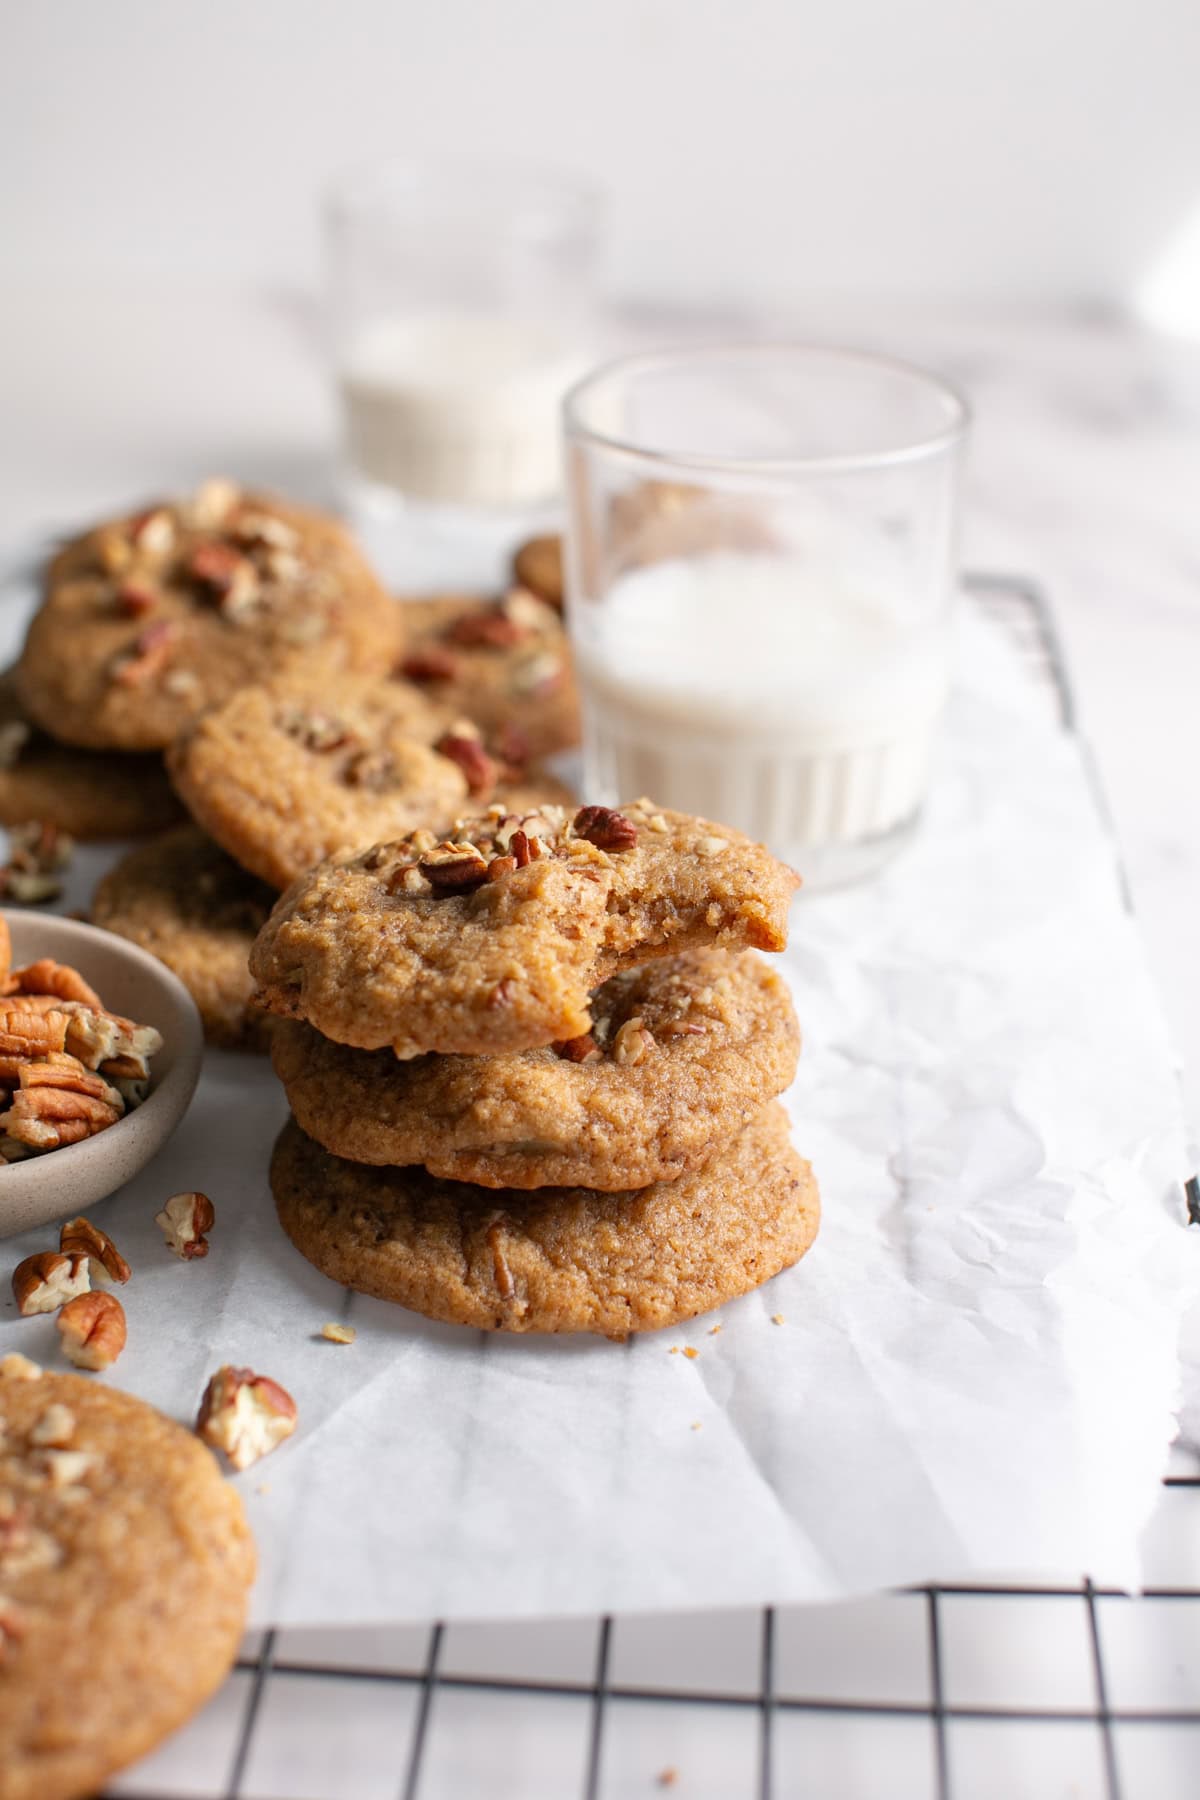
{"points": [[942, 1692]]}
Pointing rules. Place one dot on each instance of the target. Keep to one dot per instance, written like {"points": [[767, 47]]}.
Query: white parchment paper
{"points": [[976, 1368]]}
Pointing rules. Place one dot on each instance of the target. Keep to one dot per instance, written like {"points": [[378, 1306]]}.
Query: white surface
{"points": [[973, 1371], [754, 148]]}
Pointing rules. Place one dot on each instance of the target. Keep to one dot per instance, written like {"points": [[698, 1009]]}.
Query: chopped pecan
{"points": [[505, 1285], [316, 730], [152, 651], [136, 598], [339, 1334], [24, 1548], [79, 1237], [539, 676], [183, 1221], [55, 1428], [500, 866], [92, 1329], [370, 769], [578, 1049], [490, 628], [225, 574], [211, 504], [15, 1367], [58, 980], [607, 829], [58, 1105], [471, 757], [538, 564], [524, 849], [406, 878], [430, 664], [153, 532], [245, 1415], [37, 852], [632, 1043], [114, 551], [65, 1468], [253, 528], [453, 868], [46, 1281]]}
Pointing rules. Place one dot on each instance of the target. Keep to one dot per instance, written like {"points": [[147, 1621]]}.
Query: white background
{"points": [[754, 149]]}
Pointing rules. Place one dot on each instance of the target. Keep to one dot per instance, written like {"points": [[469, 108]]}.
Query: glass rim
{"points": [[534, 184], [929, 444]]}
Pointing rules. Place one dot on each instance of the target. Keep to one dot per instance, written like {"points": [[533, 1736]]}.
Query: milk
{"points": [[461, 408], [754, 689]]}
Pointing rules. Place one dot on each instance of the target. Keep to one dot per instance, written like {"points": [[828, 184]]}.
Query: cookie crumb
{"points": [[674, 1350], [713, 1330], [691, 1352], [778, 1319], [339, 1334], [696, 1423], [667, 1777]]}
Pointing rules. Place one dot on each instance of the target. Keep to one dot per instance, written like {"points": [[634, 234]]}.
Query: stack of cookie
{"points": [[533, 1070], [249, 641]]}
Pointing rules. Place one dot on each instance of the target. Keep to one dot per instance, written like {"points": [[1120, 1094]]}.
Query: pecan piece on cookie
{"points": [[607, 829], [453, 868], [430, 664], [152, 651], [464, 748]]}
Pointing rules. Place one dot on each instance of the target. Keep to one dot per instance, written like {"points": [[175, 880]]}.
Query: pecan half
{"points": [[430, 664], [524, 849], [490, 629], [245, 1415], [152, 651], [607, 829], [183, 1221], [79, 1237], [471, 757], [46, 1281], [25, 1032], [453, 868], [92, 1329], [56, 979]]}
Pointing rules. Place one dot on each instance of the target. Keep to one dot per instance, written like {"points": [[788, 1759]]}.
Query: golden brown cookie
{"points": [[86, 793], [286, 772], [125, 1561], [562, 1259], [503, 663], [149, 619], [682, 1052], [186, 902], [495, 941]]}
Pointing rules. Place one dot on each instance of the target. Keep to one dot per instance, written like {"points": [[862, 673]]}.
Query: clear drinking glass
{"points": [[760, 569], [461, 298]]}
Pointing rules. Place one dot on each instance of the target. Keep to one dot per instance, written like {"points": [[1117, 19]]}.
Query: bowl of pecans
{"points": [[100, 1050]]}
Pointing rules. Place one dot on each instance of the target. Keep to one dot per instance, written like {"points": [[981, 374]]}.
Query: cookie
{"points": [[147, 620], [503, 663], [285, 773], [538, 566], [563, 1259], [495, 941], [86, 793], [186, 902], [125, 1562], [682, 1052]]}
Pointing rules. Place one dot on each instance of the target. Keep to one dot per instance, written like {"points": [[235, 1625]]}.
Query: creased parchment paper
{"points": [[976, 1365]]}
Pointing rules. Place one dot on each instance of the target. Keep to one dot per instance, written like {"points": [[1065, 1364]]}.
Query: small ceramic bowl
{"points": [[63, 1182]]}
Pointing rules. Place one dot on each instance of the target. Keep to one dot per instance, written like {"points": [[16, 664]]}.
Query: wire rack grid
{"points": [[938, 1693]]}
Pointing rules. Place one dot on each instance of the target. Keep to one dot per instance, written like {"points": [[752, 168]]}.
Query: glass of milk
{"points": [[461, 300], [760, 571]]}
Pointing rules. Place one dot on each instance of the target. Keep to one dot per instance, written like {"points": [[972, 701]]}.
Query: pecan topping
{"points": [[578, 1049], [631, 1043], [254, 528], [505, 1286], [183, 1221], [607, 829], [153, 532], [79, 1237], [491, 629], [316, 730], [430, 664], [92, 1329], [472, 759], [245, 1415], [134, 598], [453, 868], [152, 651], [539, 675], [225, 574], [212, 503], [500, 866], [524, 849]]}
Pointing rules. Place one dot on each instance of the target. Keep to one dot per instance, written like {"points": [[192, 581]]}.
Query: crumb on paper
{"points": [[713, 1330], [778, 1319], [338, 1334], [691, 1352], [674, 1350], [667, 1777], [264, 1487], [696, 1424]]}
